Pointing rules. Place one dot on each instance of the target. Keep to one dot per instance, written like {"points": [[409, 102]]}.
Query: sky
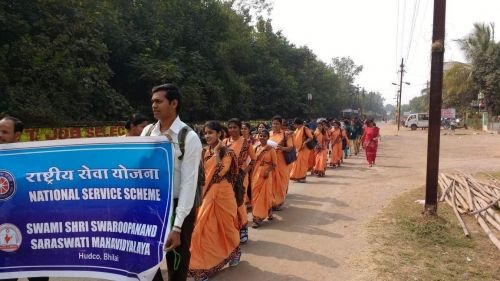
{"points": [[378, 34]]}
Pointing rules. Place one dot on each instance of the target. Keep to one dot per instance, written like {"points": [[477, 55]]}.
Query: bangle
{"points": [[176, 229]]}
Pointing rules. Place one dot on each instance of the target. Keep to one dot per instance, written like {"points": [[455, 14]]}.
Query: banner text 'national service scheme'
{"points": [[85, 207]]}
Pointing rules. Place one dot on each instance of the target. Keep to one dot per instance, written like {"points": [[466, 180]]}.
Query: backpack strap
{"points": [[150, 129], [182, 140]]}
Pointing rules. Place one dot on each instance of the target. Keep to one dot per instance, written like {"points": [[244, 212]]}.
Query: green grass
{"points": [[409, 246]]}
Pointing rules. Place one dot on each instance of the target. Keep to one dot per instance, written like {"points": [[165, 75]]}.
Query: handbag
{"points": [[290, 156], [312, 144], [239, 188]]}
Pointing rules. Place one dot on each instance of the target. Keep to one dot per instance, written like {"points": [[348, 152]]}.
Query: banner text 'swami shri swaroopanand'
{"points": [[85, 207]]}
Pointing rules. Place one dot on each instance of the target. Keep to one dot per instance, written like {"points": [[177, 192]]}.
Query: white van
{"points": [[417, 120]]}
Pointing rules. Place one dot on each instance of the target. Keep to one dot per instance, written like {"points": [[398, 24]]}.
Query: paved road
{"points": [[320, 234]]}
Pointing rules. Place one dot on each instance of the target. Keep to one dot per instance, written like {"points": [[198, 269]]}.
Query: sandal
{"points": [[236, 259], [243, 235]]}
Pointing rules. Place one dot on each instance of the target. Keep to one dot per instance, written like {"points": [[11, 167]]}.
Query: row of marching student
{"points": [[240, 172]]}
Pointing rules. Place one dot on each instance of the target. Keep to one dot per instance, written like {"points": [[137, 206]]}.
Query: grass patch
{"points": [[408, 246]]}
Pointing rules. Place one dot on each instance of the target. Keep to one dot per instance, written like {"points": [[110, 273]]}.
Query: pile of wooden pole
{"points": [[469, 196]]}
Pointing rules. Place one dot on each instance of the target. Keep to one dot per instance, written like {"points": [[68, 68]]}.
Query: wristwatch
{"points": [[176, 229]]}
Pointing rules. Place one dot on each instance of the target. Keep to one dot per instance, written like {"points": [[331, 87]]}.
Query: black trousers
{"points": [[181, 273]]}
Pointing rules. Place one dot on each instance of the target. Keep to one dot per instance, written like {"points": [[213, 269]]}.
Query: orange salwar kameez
{"points": [[262, 188], [215, 240], [300, 166], [281, 173]]}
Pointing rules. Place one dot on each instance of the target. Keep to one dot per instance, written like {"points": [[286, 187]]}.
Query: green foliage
{"points": [[458, 87], [483, 52], [53, 63], [80, 61]]}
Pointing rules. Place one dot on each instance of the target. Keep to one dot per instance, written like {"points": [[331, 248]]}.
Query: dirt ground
{"points": [[321, 232]]}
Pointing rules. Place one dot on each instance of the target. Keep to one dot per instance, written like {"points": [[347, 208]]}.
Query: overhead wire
{"points": [[416, 8], [422, 26], [397, 32]]}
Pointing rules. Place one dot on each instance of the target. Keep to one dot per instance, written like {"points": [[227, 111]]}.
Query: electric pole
{"points": [[435, 99], [400, 90]]}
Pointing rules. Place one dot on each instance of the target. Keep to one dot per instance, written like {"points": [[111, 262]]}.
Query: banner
{"points": [[39, 134], [96, 208], [448, 113]]}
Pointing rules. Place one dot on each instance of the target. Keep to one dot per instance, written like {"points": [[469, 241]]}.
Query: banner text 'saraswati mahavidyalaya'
{"points": [[95, 208]]}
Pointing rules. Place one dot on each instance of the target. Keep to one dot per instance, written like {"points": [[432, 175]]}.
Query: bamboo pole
{"points": [[455, 211]]}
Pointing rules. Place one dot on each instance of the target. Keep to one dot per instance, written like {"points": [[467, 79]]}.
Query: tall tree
{"points": [[484, 54]]}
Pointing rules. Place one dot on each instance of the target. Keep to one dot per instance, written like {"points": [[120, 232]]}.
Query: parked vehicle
{"points": [[417, 120]]}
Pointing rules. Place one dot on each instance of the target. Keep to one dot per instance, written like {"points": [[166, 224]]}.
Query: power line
{"points": [[416, 8], [409, 63], [397, 34], [403, 28]]}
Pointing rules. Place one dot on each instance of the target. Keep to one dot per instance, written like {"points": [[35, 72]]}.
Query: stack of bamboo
{"points": [[469, 196]]}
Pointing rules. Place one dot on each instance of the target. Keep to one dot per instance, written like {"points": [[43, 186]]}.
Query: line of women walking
{"points": [[264, 165]]}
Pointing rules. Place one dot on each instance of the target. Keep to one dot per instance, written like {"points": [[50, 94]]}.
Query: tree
{"points": [[484, 54], [458, 87], [51, 70]]}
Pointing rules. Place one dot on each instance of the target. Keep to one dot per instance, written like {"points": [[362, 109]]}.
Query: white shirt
{"points": [[185, 170]]}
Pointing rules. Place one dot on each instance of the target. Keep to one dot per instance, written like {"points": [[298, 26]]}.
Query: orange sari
{"points": [[281, 173], [300, 166], [215, 240], [335, 137], [321, 153], [245, 153], [262, 188]]}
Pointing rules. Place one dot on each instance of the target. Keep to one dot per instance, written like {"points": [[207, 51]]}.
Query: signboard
{"points": [[95, 208], [38, 134], [448, 113]]}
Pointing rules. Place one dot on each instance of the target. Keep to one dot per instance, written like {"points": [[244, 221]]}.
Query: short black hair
{"points": [[135, 119], [298, 121], [277, 117], [18, 124], [172, 92], [235, 121], [249, 126]]}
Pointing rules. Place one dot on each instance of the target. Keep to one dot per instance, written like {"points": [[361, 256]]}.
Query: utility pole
{"points": [[400, 90], [433, 138]]}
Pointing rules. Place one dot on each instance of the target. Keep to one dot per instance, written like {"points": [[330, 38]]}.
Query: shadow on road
{"points": [[305, 220], [286, 252], [245, 271], [308, 200]]}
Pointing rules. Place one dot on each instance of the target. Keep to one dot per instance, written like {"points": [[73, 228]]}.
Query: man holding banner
{"points": [[166, 103], [11, 129]]}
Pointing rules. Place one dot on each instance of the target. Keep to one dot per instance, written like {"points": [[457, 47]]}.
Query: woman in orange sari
{"points": [[321, 149], [215, 240], [245, 155], [281, 174], [335, 136], [301, 136], [246, 132], [262, 179]]}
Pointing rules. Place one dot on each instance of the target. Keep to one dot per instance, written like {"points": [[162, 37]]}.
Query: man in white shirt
{"points": [[166, 102]]}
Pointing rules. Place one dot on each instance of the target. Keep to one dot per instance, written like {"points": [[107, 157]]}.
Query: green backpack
{"points": [[198, 197]]}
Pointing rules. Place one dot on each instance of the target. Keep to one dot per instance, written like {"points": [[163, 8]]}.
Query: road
{"points": [[320, 234]]}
